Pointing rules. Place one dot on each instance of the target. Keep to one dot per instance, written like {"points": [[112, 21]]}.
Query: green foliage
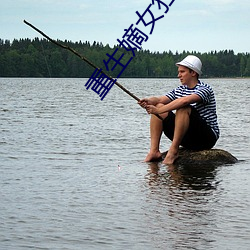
{"points": [[41, 58]]}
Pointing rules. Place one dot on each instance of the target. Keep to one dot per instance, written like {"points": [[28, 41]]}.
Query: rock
{"points": [[213, 157]]}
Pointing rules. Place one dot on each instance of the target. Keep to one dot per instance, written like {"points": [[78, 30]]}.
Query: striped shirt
{"points": [[206, 108]]}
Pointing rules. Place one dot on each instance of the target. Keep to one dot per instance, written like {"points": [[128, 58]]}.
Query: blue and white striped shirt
{"points": [[206, 108]]}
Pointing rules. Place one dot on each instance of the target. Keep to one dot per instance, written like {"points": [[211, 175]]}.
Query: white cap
{"points": [[191, 62]]}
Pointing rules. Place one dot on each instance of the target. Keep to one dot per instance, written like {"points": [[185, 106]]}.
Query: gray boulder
{"points": [[213, 157]]}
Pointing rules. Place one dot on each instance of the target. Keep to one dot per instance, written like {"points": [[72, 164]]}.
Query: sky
{"points": [[197, 25]]}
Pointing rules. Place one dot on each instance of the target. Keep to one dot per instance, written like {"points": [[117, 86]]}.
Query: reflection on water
{"points": [[189, 177], [184, 194], [194, 207]]}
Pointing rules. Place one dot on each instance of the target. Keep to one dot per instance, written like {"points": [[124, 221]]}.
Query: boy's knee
{"points": [[159, 105], [184, 110]]}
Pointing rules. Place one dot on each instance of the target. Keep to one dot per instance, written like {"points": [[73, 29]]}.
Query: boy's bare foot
{"points": [[170, 157], [153, 156]]}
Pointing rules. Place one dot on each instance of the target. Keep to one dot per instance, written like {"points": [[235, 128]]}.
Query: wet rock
{"points": [[205, 157]]}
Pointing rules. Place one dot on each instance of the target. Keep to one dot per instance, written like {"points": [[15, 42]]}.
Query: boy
{"points": [[194, 125]]}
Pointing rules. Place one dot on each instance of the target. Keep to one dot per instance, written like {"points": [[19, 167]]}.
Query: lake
{"points": [[72, 174]]}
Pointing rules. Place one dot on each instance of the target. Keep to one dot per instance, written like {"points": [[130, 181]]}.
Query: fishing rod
{"points": [[86, 60]]}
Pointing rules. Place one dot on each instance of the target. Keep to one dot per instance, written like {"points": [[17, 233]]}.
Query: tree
{"points": [[242, 65], [247, 69]]}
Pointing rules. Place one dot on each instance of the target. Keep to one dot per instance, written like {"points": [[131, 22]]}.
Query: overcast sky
{"points": [[197, 25]]}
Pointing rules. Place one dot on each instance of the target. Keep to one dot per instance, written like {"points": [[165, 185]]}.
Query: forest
{"points": [[41, 58]]}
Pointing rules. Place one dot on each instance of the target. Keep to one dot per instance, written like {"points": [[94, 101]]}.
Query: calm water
{"points": [[72, 175]]}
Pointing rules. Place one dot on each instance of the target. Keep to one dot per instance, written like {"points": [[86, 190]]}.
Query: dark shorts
{"points": [[199, 135]]}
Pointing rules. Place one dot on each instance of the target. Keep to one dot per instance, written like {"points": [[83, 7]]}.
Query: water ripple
{"points": [[72, 175]]}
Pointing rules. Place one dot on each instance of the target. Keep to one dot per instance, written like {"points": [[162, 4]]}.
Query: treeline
{"points": [[41, 58]]}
